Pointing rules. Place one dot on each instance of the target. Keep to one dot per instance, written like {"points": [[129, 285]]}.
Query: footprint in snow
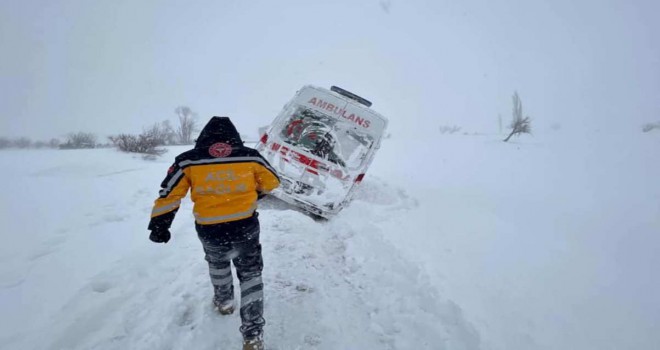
{"points": [[186, 319], [101, 285], [49, 246]]}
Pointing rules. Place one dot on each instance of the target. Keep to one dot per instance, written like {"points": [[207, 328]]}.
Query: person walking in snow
{"points": [[226, 179]]}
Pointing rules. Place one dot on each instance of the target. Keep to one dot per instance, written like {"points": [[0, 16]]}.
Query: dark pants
{"points": [[237, 242]]}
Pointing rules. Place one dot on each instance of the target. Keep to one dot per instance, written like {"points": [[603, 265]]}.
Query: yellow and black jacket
{"points": [[224, 178]]}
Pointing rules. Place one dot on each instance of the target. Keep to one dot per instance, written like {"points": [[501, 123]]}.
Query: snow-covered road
{"points": [[464, 243], [84, 276]]}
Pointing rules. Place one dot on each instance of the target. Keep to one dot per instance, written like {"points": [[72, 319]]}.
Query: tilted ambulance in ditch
{"points": [[321, 144]]}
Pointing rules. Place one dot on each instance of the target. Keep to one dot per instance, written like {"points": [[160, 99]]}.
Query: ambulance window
{"points": [[325, 137], [354, 145]]}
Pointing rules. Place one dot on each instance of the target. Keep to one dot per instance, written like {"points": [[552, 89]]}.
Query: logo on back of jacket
{"points": [[220, 182], [220, 150]]}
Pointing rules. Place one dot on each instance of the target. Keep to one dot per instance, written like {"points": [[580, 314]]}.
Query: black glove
{"points": [[261, 195], [160, 235]]}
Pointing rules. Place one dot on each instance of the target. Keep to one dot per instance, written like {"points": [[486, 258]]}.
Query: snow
{"points": [[452, 242]]}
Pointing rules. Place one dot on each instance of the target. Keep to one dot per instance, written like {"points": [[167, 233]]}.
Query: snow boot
{"points": [[254, 344], [224, 308]]}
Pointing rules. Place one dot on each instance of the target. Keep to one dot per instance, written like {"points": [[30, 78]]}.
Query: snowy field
{"points": [[453, 242]]}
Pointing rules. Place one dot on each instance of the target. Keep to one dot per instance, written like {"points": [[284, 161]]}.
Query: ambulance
{"points": [[321, 144]]}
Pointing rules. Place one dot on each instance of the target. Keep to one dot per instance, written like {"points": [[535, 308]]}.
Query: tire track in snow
{"points": [[404, 304], [363, 293]]}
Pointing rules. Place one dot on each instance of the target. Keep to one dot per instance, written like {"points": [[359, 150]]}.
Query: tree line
{"points": [[148, 141], [159, 134]]}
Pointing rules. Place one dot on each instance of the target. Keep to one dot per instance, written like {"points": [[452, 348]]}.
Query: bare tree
{"points": [[187, 124], [123, 142], [168, 132], [79, 140], [143, 143], [161, 133], [519, 125], [54, 143], [446, 129]]}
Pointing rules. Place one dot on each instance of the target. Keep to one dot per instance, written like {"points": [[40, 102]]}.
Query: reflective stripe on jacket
{"points": [[224, 179], [223, 189]]}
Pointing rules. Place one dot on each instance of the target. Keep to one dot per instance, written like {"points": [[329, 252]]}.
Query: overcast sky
{"points": [[116, 66]]}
